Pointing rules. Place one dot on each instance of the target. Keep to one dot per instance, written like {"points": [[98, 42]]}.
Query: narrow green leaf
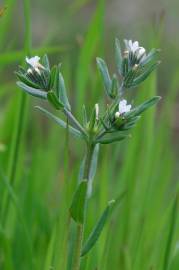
{"points": [[114, 86], [105, 75], [52, 77], [78, 203], [60, 122], [58, 83], [54, 100], [118, 56], [110, 138], [130, 124], [62, 93], [55, 80], [32, 91], [145, 74], [26, 80], [92, 119], [96, 232], [85, 118], [129, 78], [142, 107], [151, 55], [45, 62]]}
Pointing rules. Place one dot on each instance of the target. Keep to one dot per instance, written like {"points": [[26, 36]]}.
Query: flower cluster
{"points": [[136, 63], [35, 64], [133, 65], [36, 75], [137, 53]]}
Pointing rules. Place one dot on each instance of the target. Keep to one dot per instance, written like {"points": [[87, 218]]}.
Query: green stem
{"points": [[78, 246], [74, 121], [80, 227]]}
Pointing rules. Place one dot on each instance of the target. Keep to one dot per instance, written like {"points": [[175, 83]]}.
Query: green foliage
{"points": [[93, 237], [42, 171], [105, 75], [54, 100], [32, 91], [61, 123], [143, 107], [77, 208], [110, 138]]}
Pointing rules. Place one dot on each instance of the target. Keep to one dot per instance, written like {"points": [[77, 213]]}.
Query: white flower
{"points": [[97, 111], [135, 48], [123, 108], [34, 63]]}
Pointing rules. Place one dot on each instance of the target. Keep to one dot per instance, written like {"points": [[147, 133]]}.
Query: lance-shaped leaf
{"points": [[52, 77], [59, 87], [77, 208], [150, 57], [118, 56], [32, 91], [114, 86], [145, 74], [62, 93], [23, 78], [96, 232], [60, 122], [143, 107], [54, 100], [105, 75], [85, 117], [131, 123], [129, 78], [92, 118], [56, 79], [45, 62], [110, 138]]}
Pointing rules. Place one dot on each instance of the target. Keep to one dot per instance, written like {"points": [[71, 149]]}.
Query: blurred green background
{"points": [[39, 162]]}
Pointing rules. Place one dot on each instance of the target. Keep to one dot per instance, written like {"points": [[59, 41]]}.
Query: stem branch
{"points": [[74, 121]]}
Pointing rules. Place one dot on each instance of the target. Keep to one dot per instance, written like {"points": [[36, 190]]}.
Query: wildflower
{"points": [[34, 63], [123, 108], [135, 49]]}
